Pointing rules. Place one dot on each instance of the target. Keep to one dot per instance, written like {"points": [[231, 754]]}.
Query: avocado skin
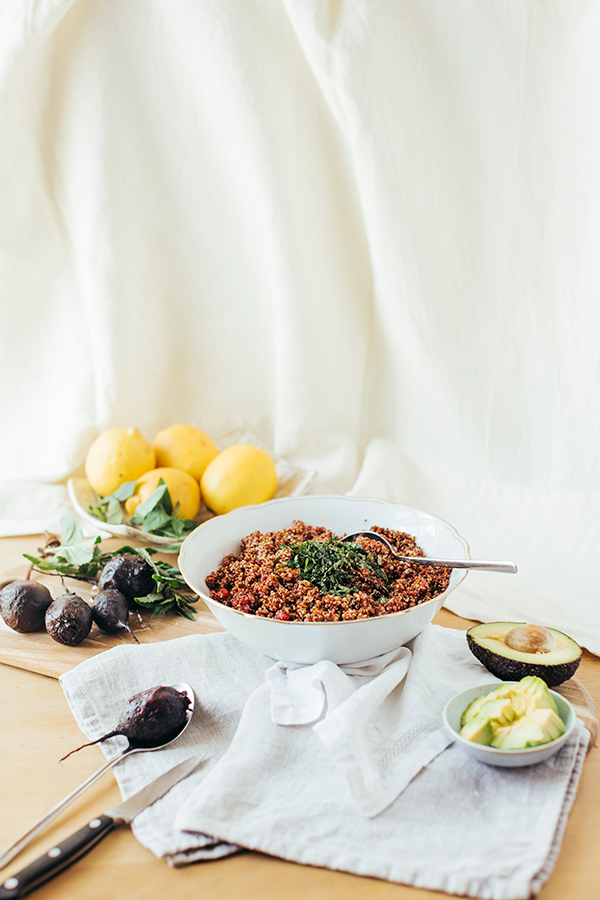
{"points": [[514, 669], [23, 605]]}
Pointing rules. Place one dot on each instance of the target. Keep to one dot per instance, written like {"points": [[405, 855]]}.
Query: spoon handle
{"points": [[10, 852], [490, 566], [486, 565]]}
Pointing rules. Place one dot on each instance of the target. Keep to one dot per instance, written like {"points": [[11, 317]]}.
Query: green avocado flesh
{"points": [[513, 717], [486, 642]]}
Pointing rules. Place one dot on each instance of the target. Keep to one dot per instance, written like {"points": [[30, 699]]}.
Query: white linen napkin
{"points": [[360, 707], [457, 825]]}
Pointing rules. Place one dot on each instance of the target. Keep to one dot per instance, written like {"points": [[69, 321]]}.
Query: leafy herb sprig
{"points": [[172, 592], [333, 566], [155, 515], [83, 559]]}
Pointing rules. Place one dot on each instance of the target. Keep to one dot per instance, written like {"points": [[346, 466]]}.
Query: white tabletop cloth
{"points": [[371, 787]]}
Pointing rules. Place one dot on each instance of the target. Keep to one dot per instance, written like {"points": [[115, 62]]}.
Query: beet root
{"points": [[68, 619], [110, 612], [152, 718], [129, 574], [23, 605]]}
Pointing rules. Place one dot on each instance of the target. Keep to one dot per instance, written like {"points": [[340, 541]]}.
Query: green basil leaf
{"points": [[155, 519], [175, 547], [146, 555], [149, 504], [70, 531], [150, 599], [122, 493], [114, 513], [78, 554]]}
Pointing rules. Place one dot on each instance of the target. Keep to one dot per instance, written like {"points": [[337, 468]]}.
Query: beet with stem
{"points": [[151, 718], [110, 612]]}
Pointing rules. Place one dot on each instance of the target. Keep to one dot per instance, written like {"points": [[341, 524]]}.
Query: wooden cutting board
{"points": [[38, 652], [583, 703]]}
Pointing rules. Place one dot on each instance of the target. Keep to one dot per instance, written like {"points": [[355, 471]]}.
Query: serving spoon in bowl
{"points": [[132, 747], [487, 565]]}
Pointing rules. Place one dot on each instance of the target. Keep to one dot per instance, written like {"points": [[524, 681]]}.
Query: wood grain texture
{"points": [[583, 704]]}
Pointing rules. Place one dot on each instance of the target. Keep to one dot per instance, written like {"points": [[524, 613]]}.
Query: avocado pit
{"points": [[530, 639]]}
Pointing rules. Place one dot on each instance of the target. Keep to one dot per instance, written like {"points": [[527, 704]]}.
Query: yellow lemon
{"points": [[240, 475], [183, 489], [184, 447], [118, 455]]}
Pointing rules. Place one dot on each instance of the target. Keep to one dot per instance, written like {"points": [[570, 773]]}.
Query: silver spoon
{"points": [[508, 567], [10, 852]]}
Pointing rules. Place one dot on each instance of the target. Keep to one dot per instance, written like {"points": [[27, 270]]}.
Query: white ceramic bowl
{"points": [[495, 756], [310, 642]]}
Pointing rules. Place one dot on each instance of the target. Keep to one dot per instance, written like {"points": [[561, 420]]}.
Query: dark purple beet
{"points": [[23, 605], [68, 619], [110, 612], [150, 719], [129, 574]]}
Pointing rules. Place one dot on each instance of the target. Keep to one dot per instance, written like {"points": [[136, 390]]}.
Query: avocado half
{"points": [[487, 643]]}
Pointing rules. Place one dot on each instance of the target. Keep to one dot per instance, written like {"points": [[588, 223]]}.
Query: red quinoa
{"points": [[261, 581]]}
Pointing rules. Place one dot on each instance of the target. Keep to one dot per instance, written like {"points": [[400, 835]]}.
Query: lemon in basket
{"points": [[116, 456], [238, 476], [183, 489], [184, 447]]}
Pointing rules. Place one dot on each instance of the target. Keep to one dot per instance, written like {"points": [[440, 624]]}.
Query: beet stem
{"points": [[132, 634], [104, 737]]}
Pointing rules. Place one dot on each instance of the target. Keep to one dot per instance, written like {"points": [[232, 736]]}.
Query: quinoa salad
{"points": [[307, 574]]}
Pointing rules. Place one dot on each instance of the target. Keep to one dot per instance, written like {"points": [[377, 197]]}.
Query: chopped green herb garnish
{"points": [[335, 566]]}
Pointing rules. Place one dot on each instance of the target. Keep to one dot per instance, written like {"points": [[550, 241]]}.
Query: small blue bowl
{"points": [[495, 756]]}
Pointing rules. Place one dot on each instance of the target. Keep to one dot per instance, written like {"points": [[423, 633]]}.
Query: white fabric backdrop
{"points": [[365, 230]]}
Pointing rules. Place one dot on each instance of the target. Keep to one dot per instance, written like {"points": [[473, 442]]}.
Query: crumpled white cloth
{"points": [[300, 694], [356, 710], [458, 826]]}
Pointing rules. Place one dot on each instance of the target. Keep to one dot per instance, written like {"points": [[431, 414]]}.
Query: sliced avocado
{"points": [[538, 727], [481, 725], [499, 712], [479, 730], [536, 693], [514, 716], [487, 643], [472, 709]]}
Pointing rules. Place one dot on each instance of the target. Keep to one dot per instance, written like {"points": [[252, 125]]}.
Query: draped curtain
{"points": [[368, 231]]}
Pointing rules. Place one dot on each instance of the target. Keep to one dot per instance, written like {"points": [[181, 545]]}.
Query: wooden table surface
{"points": [[37, 728]]}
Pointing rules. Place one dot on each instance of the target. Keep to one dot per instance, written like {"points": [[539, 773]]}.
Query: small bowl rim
{"points": [[495, 751], [310, 497]]}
